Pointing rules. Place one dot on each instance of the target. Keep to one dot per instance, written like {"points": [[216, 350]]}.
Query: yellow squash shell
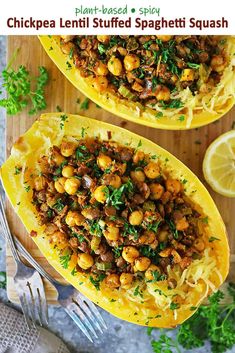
{"points": [[46, 132], [221, 99]]}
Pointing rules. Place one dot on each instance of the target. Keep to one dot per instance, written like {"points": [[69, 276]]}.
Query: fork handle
{"points": [[8, 232]]}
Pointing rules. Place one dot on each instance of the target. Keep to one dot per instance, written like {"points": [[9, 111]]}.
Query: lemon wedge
{"points": [[219, 164]]}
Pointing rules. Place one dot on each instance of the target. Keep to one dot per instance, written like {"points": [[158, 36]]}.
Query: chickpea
{"points": [[95, 242], [120, 167], [104, 161], [149, 273], [112, 233], [101, 193], [59, 238], [40, 183], [103, 39], [85, 261], [126, 280], [59, 185], [138, 175], [142, 263], [113, 180], [67, 38], [187, 75], [101, 69], [136, 218], [68, 171], [130, 253], [149, 206], [100, 83], [163, 236], [74, 219], [156, 190], [67, 148], [152, 170], [164, 38], [115, 66], [112, 281], [199, 245], [131, 62], [173, 185], [138, 156], [72, 185], [57, 158], [182, 224], [218, 63], [67, 48], [163, 93], [147, 238]]}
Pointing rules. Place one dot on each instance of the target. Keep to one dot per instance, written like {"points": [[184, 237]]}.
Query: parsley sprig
{"points": [[213, 323], [24, 90]]}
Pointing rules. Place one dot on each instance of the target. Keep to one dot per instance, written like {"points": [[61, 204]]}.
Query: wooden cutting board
{"points": [[188, 146]]}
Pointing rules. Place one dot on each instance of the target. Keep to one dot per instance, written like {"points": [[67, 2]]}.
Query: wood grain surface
{"points": [[188, 146]]}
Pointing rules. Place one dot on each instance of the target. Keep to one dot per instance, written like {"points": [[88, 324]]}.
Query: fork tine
{"points": [[30, 303], [79, 323], [24, 308], [94, 309], [86, 309], [42, 307], [88, 323]]}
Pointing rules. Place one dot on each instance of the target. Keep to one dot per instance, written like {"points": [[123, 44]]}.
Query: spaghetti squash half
{"points": [[128, 225], [166, 82]]}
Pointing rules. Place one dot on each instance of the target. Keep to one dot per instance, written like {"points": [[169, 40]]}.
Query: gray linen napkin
{"points": [[16, 338]]}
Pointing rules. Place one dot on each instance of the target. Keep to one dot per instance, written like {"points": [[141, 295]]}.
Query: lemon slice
{"points": [[219, 164]]}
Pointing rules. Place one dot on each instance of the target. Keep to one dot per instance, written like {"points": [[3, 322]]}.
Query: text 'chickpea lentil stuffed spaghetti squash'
{"points": [[129, 225], [169, 82]]}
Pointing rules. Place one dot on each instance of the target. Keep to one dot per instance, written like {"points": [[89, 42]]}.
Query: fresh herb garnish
{"points": [[138, 292], [193, 65], [97, 280], [59, 205], [173, 229], [85, 104], [95, 228], [64, 260], [130, 230], [115, 197], [174, 306], [157, 276], [173, 104], [117, 251], [211, 239], [63, 119], [101, 48], [20, 93], [82, 154], [18, 170]]}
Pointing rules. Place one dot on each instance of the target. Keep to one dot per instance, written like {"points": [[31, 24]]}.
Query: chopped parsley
{"points": [[157, 276], [174, 306], [138, 292], [85, 104], [118, 251], [59, 205], [64, 260], [211, 239], [173, 104], [63, 119], [18, 170], [97, 280]]}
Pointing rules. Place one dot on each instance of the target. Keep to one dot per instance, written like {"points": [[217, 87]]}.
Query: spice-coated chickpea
{"points": [[173, 185], [126, 280], [187, 75], [104, 161], [40, 183], [74, 218], [112, 233], [147, 238], [59, 238], [100, 69], [112, 281], [152, 170], [113, 180], [130, 253], [164, 38], [181, 224], [218, 63], [68, 171], [85, 261], [142, 263], [103, 39], [138, 156], [67, 48], [156, 190], [101, 193], [59, 185], [131, 62], [149, 273], [137, 175], [67, 148], [136, 218], [100, 83], [115, 66], [57, 158], [163, 94], [72, 185], [163, 236]]}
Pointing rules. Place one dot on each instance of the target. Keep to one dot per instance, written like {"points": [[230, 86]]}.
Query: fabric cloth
{"points": [[15, 337]]}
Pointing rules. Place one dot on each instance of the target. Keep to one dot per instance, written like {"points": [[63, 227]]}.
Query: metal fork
{"points": [[28, 282], [83, 312]]}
